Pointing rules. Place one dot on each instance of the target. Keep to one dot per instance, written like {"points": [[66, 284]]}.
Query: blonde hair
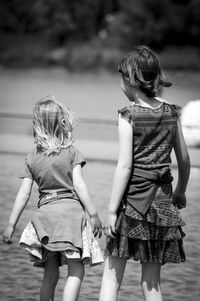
{"points": [[53, 124]]}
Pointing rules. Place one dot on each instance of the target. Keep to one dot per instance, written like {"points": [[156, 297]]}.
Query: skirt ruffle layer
{"points": [[158, 223], [162, 213], [90, 252], [155, 251], [153, 237]]}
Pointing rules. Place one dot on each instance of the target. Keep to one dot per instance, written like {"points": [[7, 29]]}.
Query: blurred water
{"points": [[95, 95], [20, 281]]}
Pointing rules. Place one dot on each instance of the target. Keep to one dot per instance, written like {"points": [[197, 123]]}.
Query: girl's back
{"points": [[154, 132], [53, 172]]}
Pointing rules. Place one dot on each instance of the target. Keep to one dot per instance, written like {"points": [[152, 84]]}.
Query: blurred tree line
{"points": [[111, 26]]}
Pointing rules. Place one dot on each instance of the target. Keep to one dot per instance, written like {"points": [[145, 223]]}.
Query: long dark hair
{"points": [[141, 68]]}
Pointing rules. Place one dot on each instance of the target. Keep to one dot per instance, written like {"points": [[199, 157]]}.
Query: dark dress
{"points": [[148, 224]]}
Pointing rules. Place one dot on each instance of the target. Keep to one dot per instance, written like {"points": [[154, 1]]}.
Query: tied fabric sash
{"points": [[49, 221], [52, 196], [143, 185]]}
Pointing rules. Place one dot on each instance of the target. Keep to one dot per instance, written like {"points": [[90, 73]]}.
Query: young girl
{"points": [[59, 231], [143, 221]]}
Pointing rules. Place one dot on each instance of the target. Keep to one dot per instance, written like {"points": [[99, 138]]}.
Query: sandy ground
{"points": [[96, 96], [20, 281]]}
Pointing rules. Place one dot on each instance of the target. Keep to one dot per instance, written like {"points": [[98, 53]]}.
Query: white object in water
{"points": [[190, 120]]}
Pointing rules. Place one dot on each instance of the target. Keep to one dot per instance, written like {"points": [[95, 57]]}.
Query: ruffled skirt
{"points": [[154, 237], [61, 227], [89, 254]]}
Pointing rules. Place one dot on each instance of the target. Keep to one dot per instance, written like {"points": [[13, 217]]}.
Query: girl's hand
{"points": [[179, 199], [8, 234], [96, 225], [109, 228]]}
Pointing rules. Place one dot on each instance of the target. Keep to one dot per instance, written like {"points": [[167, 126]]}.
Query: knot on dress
{"points": [[143, 185], [164, 176]]}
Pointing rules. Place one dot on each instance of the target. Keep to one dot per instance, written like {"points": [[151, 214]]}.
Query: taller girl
{"points": [[143, 220]]}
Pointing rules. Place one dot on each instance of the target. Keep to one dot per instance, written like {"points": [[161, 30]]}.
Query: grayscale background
{"points": [[71, 49]]}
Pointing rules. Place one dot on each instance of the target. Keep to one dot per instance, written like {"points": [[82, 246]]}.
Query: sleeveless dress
{"points": [[149, 225], [59, 225]]}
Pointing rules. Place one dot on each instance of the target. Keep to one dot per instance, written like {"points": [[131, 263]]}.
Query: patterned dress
{"points": [[148, 224]]}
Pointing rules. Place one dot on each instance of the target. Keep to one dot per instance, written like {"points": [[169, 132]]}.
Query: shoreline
{"points": [[92, 150], [94, 97]]}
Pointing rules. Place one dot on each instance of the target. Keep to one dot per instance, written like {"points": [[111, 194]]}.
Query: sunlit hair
{"points": [[141, 68], [52, 125]]}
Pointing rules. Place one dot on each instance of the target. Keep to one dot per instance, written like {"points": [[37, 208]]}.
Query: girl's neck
{"points": [[141, 99]]}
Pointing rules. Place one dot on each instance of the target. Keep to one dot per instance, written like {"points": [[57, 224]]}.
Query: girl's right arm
{"points": [[183, 161], [21, 200], [122, 174]]}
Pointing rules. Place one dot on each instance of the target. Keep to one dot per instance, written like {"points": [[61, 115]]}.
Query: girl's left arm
{"points": [[21, 200], [82, 191], [122, 173]]}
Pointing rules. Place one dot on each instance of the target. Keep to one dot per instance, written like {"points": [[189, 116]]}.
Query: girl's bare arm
{"points": [[122, 173], [21, 200], [183, 159], [82, 191]]}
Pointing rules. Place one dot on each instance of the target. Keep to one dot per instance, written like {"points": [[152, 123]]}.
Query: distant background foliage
{"points": [[93, 34]]}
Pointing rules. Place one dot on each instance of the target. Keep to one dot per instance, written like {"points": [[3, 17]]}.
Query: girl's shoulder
{"points": [[175, 109], [131, 112], [72, 150], [127, 114], [173, 106], [137, 108], [32, 153], [126, 111], [76, 156]]}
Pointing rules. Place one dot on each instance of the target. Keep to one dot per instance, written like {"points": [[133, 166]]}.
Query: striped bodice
{"points": [[153, 134]]}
